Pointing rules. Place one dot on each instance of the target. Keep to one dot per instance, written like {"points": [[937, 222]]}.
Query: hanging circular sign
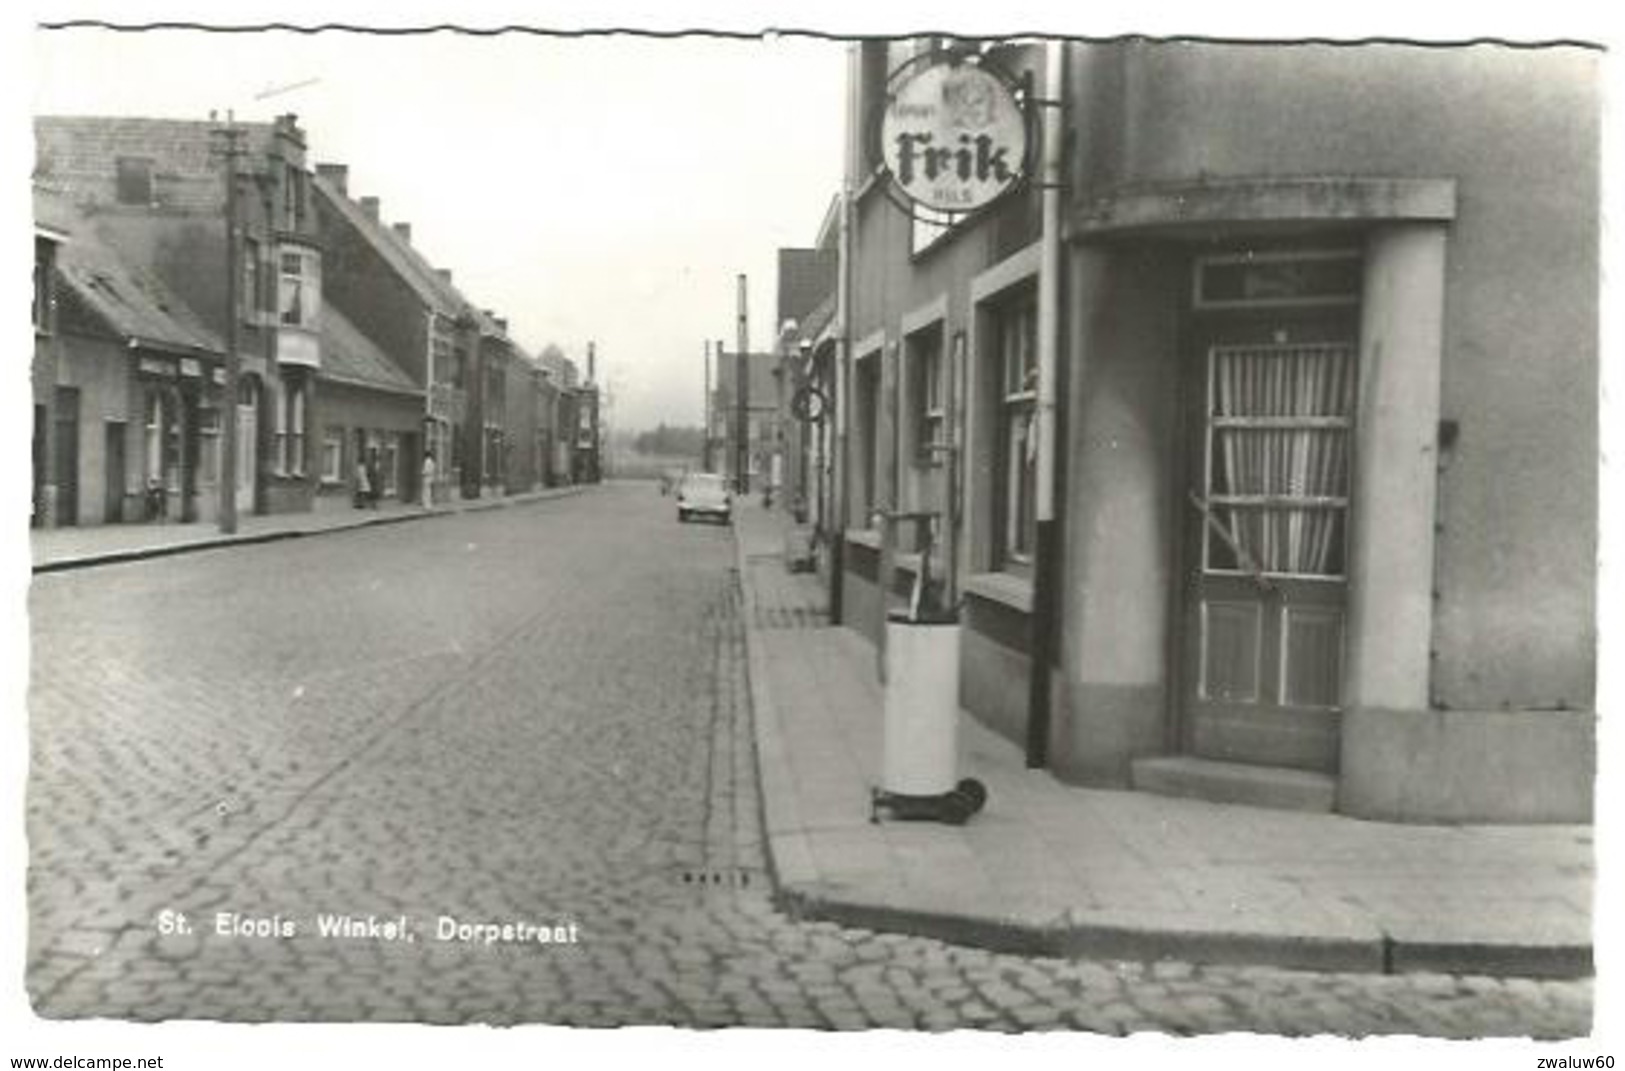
{"points": [[807, 405], [953, 137]]}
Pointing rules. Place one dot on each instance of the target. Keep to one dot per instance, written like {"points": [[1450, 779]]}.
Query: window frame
{"points": [[250, 298], [209, 427], [1199, 274], [303, 308], [152, 434], [1016, 394], [332, 471], [866, 373], [133, 174], [296, 429], [926, 353]]}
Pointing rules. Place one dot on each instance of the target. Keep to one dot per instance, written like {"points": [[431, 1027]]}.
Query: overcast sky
{"points": [[602, 188]]}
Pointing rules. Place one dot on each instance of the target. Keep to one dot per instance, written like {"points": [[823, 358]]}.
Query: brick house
{"points": [[151, 195]]}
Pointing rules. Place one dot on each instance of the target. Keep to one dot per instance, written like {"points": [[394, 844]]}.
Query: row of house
{"points": [[1255, 422], [350, 345]]}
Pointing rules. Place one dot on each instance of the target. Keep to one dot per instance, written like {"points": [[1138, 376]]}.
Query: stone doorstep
{"points": [[1230, 782]]}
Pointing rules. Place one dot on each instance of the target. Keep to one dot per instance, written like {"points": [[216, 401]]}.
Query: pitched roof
{"points": [[348, 356], [806, 276], [433, 288], [818, 320], [128, 299], [53, 214]]}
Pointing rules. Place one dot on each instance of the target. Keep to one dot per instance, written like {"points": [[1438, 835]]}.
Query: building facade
{"points": [[1317, 518], [805, 308], [151, 197], [748, 448]]}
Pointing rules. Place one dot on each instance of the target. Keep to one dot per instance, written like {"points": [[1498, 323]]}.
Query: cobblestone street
{"points": [[535, 715]]}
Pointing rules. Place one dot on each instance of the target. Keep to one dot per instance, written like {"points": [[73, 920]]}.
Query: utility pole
{"points": [[705, 447], [230, 147], [742, 393]]}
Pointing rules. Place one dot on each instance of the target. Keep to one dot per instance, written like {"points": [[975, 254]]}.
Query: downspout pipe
{"points": [[1045, 621]]}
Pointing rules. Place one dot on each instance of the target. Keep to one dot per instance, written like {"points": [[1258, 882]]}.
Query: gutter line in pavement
{"points": [[165, 550]]}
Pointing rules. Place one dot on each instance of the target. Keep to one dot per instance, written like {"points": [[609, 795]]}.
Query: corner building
{"points": [[1326, 408]]}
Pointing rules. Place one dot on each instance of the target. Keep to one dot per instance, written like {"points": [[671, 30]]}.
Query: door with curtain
{"points": [[1270, 428]]}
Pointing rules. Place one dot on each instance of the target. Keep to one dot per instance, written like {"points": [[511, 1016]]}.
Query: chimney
{"points": [[369, 208], [403, 231], [336, 175], [445, 275], [592, 364]]}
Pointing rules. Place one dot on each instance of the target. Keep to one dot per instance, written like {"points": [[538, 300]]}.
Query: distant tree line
{"points": [[670, 441]]}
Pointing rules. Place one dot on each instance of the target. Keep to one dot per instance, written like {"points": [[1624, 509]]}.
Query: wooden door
{"points": [[1270, 428], [113, 472], [66, 455]]}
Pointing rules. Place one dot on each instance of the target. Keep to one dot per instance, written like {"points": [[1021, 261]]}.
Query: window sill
{"points": [[1006, 589]]}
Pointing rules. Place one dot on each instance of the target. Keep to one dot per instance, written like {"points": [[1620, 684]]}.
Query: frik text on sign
{"points": [[953, 136]]}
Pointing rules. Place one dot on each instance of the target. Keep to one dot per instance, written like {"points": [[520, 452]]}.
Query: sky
{"points": [[608, 189]]}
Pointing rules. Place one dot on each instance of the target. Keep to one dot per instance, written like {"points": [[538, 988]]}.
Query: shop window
{"points": [[493, 454], [288, 435], [299, 302], [1014, 338], [868, 406], [333, 455], [279, 427], [927, 403], [389, 462], [134, 180], [153, 438], [296, 430], [208, 462]]}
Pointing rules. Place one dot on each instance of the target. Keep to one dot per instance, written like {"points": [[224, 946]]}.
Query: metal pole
{"points": [[742, 404], [720, 412], [705, 442], [838, 484], [227, 476], [1045, 563]]}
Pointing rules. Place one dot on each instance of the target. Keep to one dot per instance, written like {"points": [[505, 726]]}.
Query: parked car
{"points": [[704, 494]]}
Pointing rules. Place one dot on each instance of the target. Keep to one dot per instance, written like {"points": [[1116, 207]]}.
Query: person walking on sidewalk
{"points": [[363, 485], [428, 479], [375, 478]]}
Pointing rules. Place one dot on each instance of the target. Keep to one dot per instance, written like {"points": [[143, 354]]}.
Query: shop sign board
{"points": [[953, 137]]}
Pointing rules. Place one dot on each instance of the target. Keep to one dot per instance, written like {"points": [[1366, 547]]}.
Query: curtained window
{"points": [[1015, 341], [1280, 421]]}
